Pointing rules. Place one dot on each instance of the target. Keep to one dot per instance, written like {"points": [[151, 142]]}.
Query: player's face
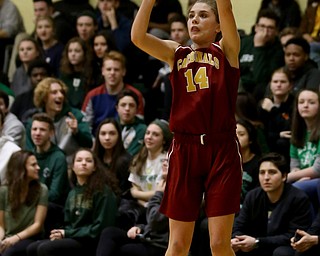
{"points": [[32, 168], [294, 57], [75, 53], [270, 178], [280, 84], [55, 100], [100, 46], [179, 33], [27, 51], [202, 24], [108, 136], [153, 138], [243, 136], [113, 73], [308, 105], [40, 133], [127, 109]]}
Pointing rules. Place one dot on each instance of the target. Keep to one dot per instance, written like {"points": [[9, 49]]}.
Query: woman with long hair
{"points": [[90, 207], [110, 150], [305, 144], [76, 70], [23, 204], [28, 50]]}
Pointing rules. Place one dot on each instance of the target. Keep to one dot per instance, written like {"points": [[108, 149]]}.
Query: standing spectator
{"points": [[29, 50], [23, 106], [76, 70], [133, 128], [23, 205], [71, 131], [260, 54], [100, 102], [7, 148], [271, 213], [52, 48], [11, 23], [303, 71], [276, 113], [288, 12], [90, 207]]}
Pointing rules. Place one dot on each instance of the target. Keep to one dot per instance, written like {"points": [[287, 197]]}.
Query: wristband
{"points": [[18, 237]]}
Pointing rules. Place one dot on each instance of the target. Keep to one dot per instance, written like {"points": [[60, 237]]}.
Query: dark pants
{"points": [[18, 249], [115, 242], [62, 247]]}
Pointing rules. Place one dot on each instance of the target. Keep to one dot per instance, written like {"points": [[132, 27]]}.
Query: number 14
{"points": [[200, 79]]}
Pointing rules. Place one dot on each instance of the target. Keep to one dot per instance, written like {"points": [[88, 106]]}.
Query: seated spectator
{"points": [[276, 113], [90, 207], [52, 49], [53, 166], [23, 106], [247, 109], [305, 144], [23, 205], [29, 50], [109, 19], [9, 92], [260, 54], [288, 33], [11, 126], [288, 12], [7, 148], [250, 152], [271, 213], [100, 102], [63, 23], [310, 30], [146, 172], [306, 243], [11, 23], [144, 239], [303, 71], [133, 128], [76, 70], [86, 26], [109, 149], [103, 42], [71, 131]]}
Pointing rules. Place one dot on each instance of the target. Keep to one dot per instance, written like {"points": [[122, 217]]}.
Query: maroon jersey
{"points": [[204, 91]]}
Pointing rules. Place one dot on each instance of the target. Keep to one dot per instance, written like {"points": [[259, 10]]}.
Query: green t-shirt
{"points": [[306, 155], [26, 213]]}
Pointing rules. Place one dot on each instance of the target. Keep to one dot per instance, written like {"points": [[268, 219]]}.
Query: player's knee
{"points": [[179, 248], [219, 245]]}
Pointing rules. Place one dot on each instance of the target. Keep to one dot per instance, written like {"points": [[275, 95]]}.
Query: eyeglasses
{"points": [[262, 26]]}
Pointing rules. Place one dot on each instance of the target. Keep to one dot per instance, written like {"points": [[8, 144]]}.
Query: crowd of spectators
{"points": [[84, 131]]}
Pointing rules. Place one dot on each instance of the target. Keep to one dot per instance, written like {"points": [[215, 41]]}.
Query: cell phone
{"points": [[297, 237]]}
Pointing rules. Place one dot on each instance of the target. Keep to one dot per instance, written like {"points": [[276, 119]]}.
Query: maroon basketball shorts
{"points": [[202, 168]]}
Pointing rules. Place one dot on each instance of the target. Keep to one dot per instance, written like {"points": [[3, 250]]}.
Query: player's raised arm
{"points": [[230, 41], [158, 48]]}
